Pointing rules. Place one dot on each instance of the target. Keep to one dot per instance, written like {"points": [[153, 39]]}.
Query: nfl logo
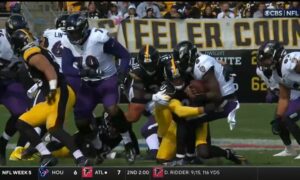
{"points": [[158, 172]]}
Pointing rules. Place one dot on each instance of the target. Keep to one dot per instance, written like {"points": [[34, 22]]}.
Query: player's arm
{"points": [[284, 98], [115, 48], [44, 42], [67, 63], [40, 62], [184, 111]]}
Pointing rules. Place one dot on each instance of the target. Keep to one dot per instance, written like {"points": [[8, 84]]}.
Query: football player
{"points": [[13, 94], [52, 41], [52, 38], [60, 98], [143, 81], [285, 69], [88, 63], [179, 137], [272, 85], [219, 101]]}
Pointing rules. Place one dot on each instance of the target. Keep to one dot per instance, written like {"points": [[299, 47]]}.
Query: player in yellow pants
{"points": [[167, 127]]}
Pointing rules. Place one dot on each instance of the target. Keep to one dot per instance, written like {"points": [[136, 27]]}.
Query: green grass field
{"points": [[253, 123]]}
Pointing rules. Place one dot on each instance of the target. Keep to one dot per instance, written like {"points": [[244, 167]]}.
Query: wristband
{"points": [[53, 84]]}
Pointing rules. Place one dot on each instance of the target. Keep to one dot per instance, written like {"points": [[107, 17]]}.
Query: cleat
{"points": [[237, 159], [176, 162], [83, 161], [29, 152], [130, 153], [298, 157], [151, 154], [16, 155], [48, 160], [193, 160], [288, 151]]}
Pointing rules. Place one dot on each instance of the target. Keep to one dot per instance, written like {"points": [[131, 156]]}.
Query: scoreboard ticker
{"points": [[150, 173]]}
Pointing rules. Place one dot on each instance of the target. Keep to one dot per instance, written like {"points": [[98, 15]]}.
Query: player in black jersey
{"points": [[60, 98]]}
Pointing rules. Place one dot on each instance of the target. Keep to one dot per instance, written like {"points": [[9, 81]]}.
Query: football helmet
{"points": [[185, 54], [15, 22], [77, 28], [270, 54], [148, 59], [21, 40], [61, 22]]}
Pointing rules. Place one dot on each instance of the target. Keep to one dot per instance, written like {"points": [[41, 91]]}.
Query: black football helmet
{"points": [[172, 74], [270, 54], [148, 59], [15, 22], [185, 54], [77, 28], [21, 40], [61, 22]]}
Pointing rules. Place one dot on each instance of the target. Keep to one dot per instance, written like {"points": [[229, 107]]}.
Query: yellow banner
{"points": [[207, 34]]}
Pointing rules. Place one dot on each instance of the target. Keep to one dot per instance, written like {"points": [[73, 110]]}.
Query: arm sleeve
{"points": [[115, 48], [183, 111], [67, 63]]}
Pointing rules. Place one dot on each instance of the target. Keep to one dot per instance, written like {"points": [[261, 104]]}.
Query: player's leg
{"points": [[108, 91], [167, 148], [291, 116], [149, 132], [26, 124], [15, 100], [181, 142], [206, 150], [65, 100]]}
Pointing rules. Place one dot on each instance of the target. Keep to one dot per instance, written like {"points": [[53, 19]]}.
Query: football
{"points": [[198, 86]]}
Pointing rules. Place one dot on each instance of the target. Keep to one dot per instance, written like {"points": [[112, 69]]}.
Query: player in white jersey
{"points": [[219, 101], [52, 39], [89, 66], [286, 71], [12, 93], [272, 86]]}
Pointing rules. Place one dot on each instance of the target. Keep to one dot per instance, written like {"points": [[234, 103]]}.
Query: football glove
{"points": [[276, 126], [52, 92], [161, 98]]}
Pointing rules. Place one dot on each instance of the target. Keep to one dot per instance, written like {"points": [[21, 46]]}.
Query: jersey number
{"points": [[57, 49]]}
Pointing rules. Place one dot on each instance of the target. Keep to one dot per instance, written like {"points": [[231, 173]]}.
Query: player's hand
{"points": [[161, 98], [121, 80], [51, 96], [276, 126]]}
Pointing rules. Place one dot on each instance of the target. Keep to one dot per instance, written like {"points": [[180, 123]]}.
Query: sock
{"points": [[152, 141], [28, 131], [180, 156], [126, 137], [284, 134], [293, 128], [64, 138], [134, 141], [10, 126], [216, 151], [181, 136], [5, 136], [77, 154], [42, 149], [22, 141]]}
